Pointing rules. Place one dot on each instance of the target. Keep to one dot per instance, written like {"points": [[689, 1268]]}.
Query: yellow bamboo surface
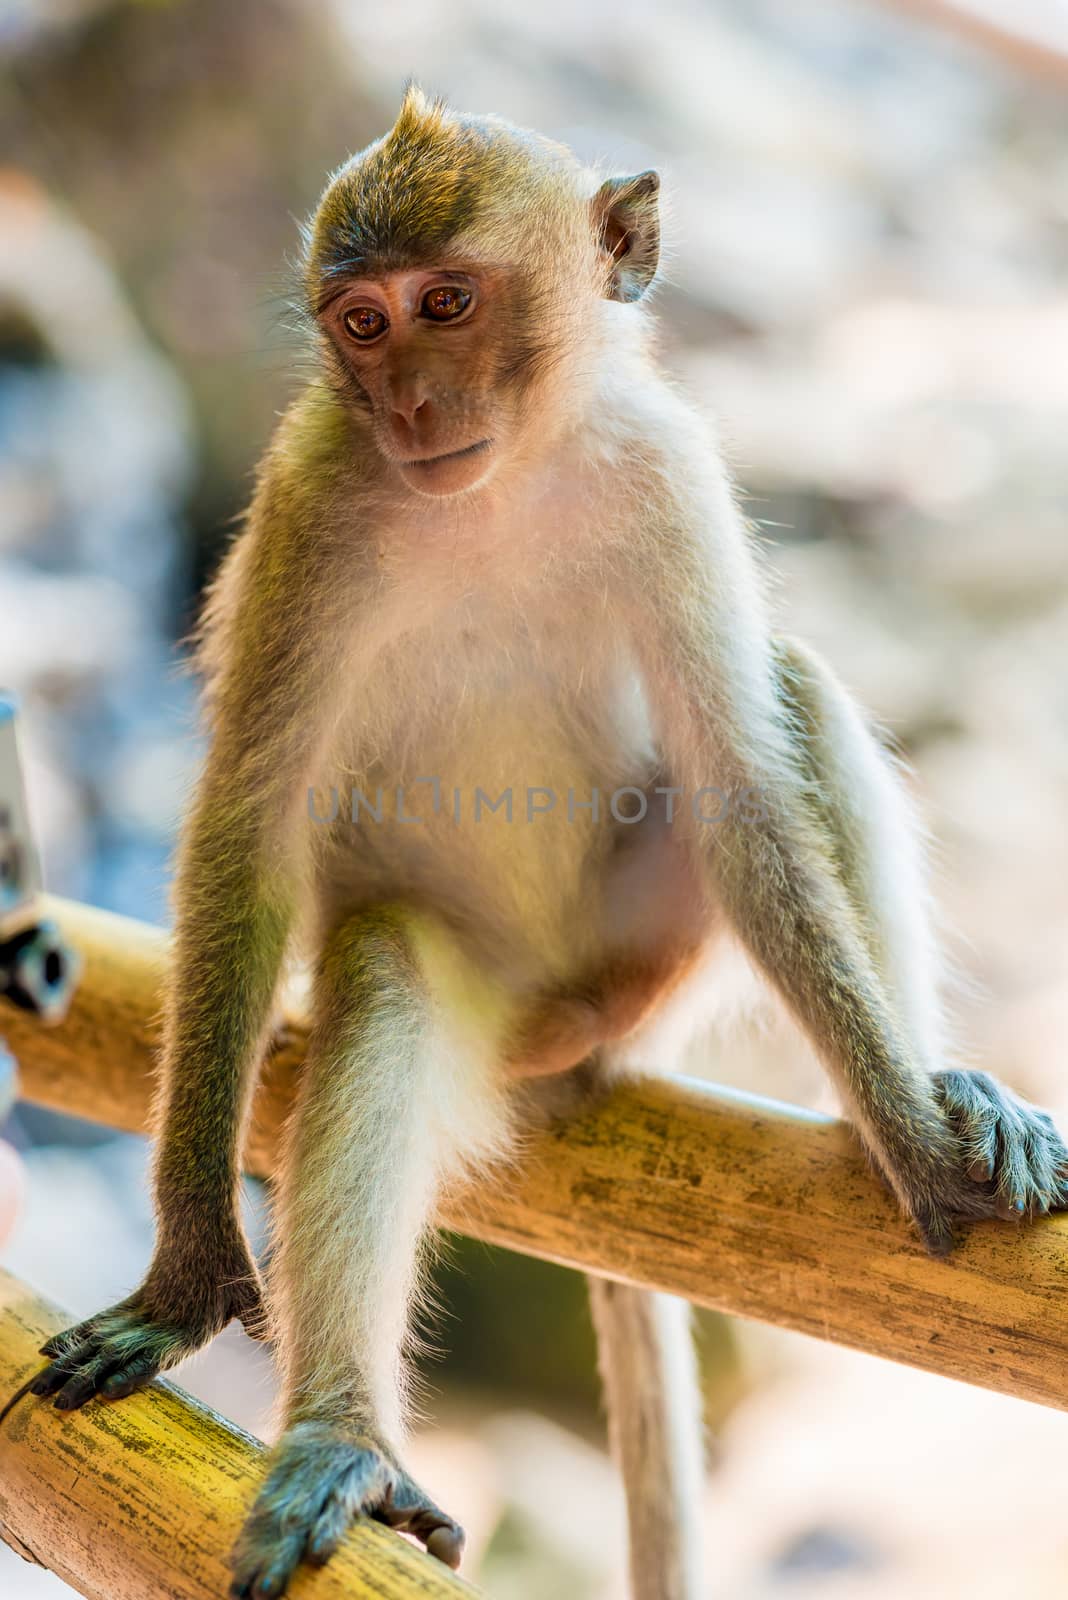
{"points": [[736, 1203], [143, 1498]]}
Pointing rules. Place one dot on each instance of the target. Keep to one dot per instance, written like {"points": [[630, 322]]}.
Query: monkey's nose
{"points": [[407, 412], [408, 400]]}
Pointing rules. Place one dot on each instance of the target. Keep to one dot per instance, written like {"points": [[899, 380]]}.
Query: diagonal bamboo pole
{"points": [[736, 1203], [143, 1499]]}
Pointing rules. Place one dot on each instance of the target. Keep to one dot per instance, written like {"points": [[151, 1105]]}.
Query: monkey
{"points": [[493, 550]]}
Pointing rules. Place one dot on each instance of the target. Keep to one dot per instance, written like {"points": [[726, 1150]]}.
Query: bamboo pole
{"points": [[144, 1498], [736, 1203]]}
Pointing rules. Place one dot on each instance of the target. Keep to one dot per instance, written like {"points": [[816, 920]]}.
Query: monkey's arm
{"points": [[238, 884], [821, 882]]}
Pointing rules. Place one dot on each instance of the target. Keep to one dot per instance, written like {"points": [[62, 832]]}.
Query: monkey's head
{"points": [[458, 269]]}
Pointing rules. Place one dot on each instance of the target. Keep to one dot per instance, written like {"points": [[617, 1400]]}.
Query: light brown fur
{"points": [[502, 555]]}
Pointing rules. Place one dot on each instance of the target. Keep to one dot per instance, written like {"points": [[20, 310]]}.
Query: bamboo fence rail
{"points": [[736, 1203]]}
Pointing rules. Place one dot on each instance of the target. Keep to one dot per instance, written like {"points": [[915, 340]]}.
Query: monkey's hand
{"points": [[323, 1475], [177, 1310], [1014, 1161]]}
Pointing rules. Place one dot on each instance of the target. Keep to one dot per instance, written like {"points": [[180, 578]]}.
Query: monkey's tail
{"points": [[653, 1398]]}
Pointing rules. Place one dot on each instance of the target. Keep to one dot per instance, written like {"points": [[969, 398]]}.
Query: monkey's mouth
{"points": [[452, 455]]}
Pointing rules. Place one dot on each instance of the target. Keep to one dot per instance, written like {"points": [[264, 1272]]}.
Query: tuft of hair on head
{"points": [[403, 198], [439, 177], [418, 111]]}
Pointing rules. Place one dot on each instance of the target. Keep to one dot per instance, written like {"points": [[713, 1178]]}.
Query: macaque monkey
{"points": [[492, 551]]}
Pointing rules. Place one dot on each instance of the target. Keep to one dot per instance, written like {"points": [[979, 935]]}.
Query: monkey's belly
{"points": [[525, 817], [588, 924]]}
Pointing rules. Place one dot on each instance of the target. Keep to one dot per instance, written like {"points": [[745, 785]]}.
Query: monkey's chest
{"points": [[503, 795]]}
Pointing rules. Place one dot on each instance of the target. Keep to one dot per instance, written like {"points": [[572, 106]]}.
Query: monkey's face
{"points": [[428, 352], [458, 268]]}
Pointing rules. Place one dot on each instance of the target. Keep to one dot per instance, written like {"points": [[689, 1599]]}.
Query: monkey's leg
{"points": [[1012, 1149], [653, 1398], [395, 1100]]}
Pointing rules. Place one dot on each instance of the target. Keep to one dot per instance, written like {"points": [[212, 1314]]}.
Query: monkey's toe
{"points": [[1013, 1152], [72, 1383], [447, 1544], [324, 1477], [110, 1355], [408, 1508]]}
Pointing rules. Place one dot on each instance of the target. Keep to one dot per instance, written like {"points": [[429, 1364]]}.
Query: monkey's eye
{"points": [[365, 323], [445, 303]]}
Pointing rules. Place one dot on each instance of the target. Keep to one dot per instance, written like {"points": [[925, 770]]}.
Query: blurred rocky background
{"points": [[865, 286]]}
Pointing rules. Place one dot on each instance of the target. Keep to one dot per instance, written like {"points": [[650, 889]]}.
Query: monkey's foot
{"points": [[125, 1347], [1015, 1159], [323, 1476]]}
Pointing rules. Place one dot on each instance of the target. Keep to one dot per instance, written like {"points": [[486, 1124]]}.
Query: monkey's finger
{"points": [[1013, 1193], [1016, 1180], [52, 1378], [1044, 1148], [1030, 1156], [77, 1391], [263, 1569], [446, 1542], [130, 1376], [332, 1525], [443, 1538], [83, 1385], [407, 1507], [977, 1128], [272, 1581], [972, 1102]]}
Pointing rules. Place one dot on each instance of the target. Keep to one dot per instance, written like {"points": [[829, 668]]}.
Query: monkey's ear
{"points": [[626, 220]]}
